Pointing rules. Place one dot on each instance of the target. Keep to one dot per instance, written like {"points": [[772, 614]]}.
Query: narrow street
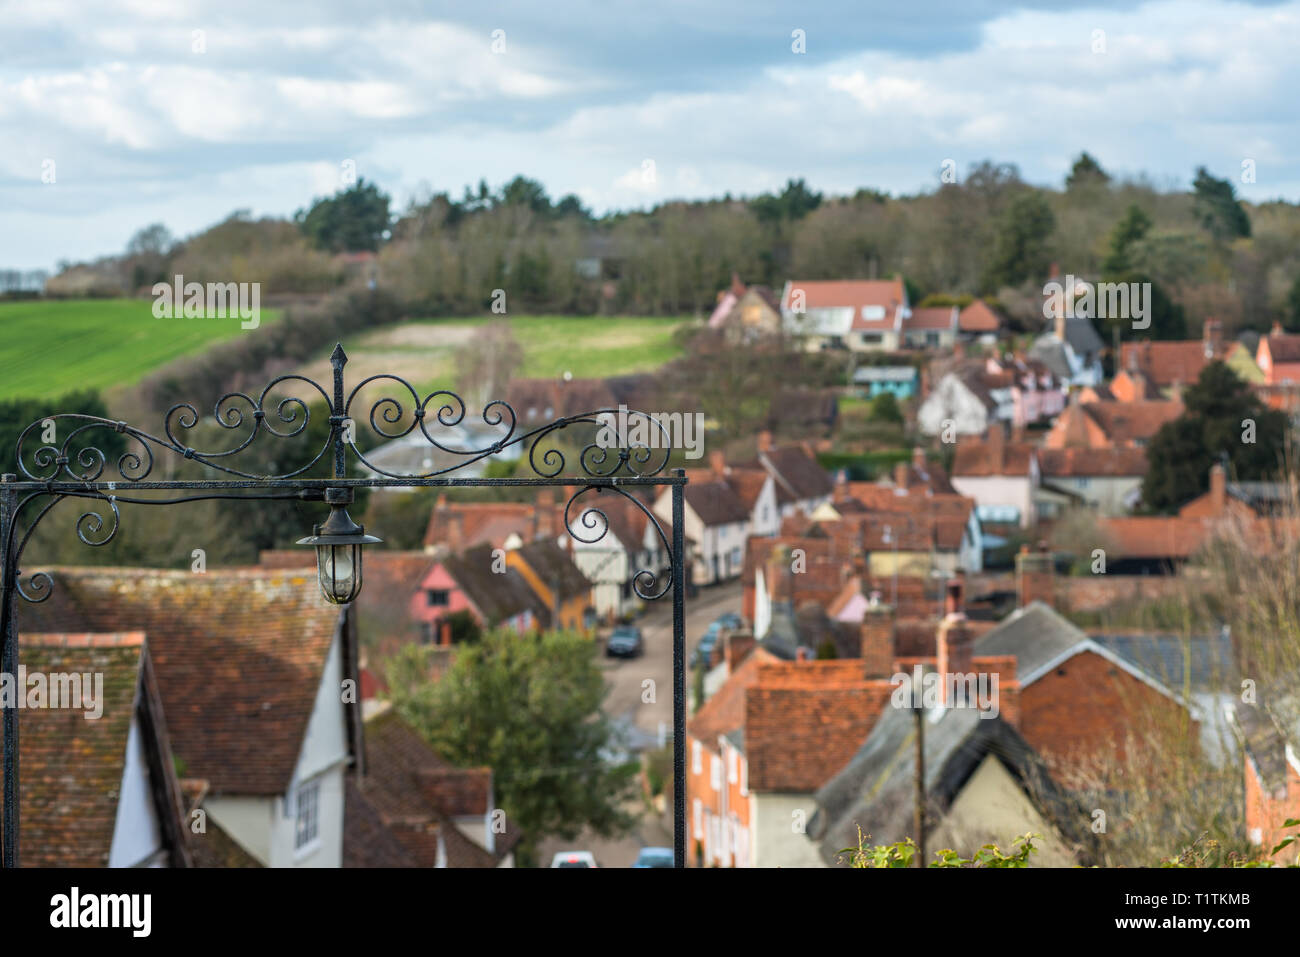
{"points": [[640, 703]]}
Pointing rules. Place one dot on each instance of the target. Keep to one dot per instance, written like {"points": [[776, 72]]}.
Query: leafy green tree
{"points": [[18, 414], [884, 408], [1086, 172], [1217, 207], [353, 220], [795, 202], [1291, 321], [1133, 227], [522, 191], [529, 707], [1020, 250], [1222, 418]]}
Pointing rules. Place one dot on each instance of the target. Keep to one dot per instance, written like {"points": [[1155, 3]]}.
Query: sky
{"points": [[122, 113]]}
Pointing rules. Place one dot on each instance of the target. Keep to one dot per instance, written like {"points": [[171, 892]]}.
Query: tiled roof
{"points": [[748, 484], [554, 567], [796, 738], [930, 318], [367, 840], [978, 317], [238, 655], [1284, 347], [1109, 462], [1156, 536], [978, 458], [725, 711], [1166, 363], [714, 500], [797, 474], [1128, 422], [497, 595], [542, 400], [855, 294], [72, 767], [466, 524]]}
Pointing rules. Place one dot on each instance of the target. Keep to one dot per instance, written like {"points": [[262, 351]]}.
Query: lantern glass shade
{"points": [[339, 543]]}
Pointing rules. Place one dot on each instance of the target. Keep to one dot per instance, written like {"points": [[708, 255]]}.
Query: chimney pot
{"points": [[765, 441], [718, 463]]}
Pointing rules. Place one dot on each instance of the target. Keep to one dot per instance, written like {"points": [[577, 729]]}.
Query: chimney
{"points": [[455, 529], [956, 650], [918, 458], [1219, 488], [900, 474], [997, 439], [737, 287], [877, 641], [952, 597], [1035, 576], [718, 463], [1213, 336], [739, 645], [765, 441], [544, 515], [1054, 272], [841, 491], [1277, 329]]}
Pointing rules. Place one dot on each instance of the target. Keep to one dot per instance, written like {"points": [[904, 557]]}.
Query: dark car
{"points": [[704, 650], [654, 857], [625, 642]]}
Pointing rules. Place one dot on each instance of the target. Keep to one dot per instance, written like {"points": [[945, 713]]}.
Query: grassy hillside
{"points": [[423, 350], [48, 348]]}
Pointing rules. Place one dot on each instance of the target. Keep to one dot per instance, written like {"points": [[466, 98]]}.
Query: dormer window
{"points": [[873, 312]]}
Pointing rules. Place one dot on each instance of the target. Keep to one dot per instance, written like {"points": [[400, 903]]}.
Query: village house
{"points": [[1105, 424], [1278, 357], [558, 583], [100, 792], [801, 484], [1270, 736], [460, 525], [930, 327], [1070, 347], [1106, 480], [248, 669], [902, 382], [1170, 366], [479, 581], [631, 543], [976, 393], [860, 315], [978, 321], [745, 314], [717, 522], [1001, 476]]}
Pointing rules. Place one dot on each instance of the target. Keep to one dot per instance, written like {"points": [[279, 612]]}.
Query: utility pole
{"points": [[918, 811]]}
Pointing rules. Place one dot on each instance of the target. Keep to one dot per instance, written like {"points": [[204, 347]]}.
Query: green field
{"points": [[49, 348], [423, 350]]}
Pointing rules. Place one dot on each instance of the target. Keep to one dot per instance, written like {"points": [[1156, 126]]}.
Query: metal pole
{"points": [[918, 812], [679, 675], [9, 667], [338, 359]]}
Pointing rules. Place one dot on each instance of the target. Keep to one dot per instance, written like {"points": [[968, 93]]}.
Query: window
{"points": [[732, 769], [697, 811], [426, 632], [715, 772], [437, 596], [306, 816], [697, 760]]}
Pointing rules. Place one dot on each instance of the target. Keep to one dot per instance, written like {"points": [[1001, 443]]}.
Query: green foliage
{"points": [[1291, 322], [1210, 853], [903, 854], [1085, 172], [465, 628], [1217, 422], [1217, 207], [18, 414], [884, 408], [827, 651], [1133, 227], [794, 202], [353, 220], [529, 708], [1021, 249]]}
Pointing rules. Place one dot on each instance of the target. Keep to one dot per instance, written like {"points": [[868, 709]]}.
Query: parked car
{"points": [[625, 642], [573, 859], [729, 619], [654, 857]]}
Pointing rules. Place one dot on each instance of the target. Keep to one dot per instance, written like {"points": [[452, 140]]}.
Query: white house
{"points": [[861, 315], [630, 544]]}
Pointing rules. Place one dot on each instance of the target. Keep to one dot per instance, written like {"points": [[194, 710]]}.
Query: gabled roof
{"points": [[1128, 422], [748, 484], [724, 713], [238, 654], [466, 524], [931, 318], [978, 317], [555, 568], [797, 474], [71, 767], [714, 501], [981, 458], [498, 596], [854, 294], [537, 401], [1167, 363], [874, 791]]}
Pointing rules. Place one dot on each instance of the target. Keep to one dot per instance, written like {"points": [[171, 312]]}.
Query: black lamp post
{"points": [[71, 470], [339, 544]]}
